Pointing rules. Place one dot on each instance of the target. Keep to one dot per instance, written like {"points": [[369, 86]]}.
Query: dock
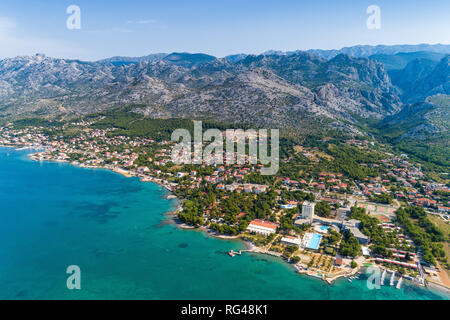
{"points": [[399, 283], [383, 276], [392, 278], [233, 253]]}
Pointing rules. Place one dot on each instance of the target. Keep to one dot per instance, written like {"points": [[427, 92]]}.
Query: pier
{"points": [[392, 278], [233, 253], [383, 276], [399, 283]]}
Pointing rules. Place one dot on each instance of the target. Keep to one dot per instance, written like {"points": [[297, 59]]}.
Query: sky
{"points": [[141, 27]]}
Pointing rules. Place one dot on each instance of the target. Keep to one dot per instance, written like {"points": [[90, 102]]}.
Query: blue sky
{"points": [[141, 27]]}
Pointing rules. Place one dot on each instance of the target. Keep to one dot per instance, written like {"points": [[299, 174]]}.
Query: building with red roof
{"points": [[262, 227]]}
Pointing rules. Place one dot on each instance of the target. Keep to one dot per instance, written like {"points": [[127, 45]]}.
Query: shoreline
{"points": [[438, 287], [251, 248]]}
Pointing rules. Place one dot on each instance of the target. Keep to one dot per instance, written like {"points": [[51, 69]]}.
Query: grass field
{"points": [[445, 228]]}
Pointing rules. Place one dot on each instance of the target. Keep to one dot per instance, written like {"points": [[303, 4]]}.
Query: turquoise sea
{"points": [[54, 215]]}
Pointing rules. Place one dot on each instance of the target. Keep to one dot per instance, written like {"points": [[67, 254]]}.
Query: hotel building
{"points": [[308, 211], [262, 227]]}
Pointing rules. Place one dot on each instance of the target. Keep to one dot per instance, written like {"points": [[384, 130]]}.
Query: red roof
{"points": [[264, 224]]}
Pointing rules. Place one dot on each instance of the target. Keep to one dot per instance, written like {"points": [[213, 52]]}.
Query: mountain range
{"points": [[301, 90]]}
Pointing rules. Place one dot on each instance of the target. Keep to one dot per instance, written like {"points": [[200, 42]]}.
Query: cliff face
{"points": [[295, 90], [428, 120], [422, 78]]}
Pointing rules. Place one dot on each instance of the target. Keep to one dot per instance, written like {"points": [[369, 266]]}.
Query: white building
{"points": [[262, 227], [308, 211], [365, 251], [291, 241]]}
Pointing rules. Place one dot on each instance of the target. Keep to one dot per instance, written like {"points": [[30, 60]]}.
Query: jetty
{"points": [[233, 253], [399, 283], [383, 276], [392, 278]]}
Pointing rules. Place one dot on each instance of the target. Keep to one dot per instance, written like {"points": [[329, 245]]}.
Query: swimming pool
{"points": [[324, 229], [315, 241]]}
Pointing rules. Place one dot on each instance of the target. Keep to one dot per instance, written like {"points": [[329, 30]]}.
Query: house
{"points": [[230, 187], [241, 215], [260, 189]]}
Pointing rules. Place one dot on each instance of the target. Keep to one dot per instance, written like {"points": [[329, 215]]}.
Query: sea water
{"points": [[55, 215]]}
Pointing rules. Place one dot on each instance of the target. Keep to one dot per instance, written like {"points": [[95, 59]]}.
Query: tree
{"points": [[291, 249], [383, 198], [350, 246], [353, 264], [323, 209], [423, 232], [295, 259], [333, 237]]}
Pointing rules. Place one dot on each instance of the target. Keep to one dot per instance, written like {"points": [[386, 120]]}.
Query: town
{"points": [[327, 215]]}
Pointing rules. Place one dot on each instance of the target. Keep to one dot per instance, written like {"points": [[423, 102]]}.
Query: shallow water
{"points": [[54, 215]]}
